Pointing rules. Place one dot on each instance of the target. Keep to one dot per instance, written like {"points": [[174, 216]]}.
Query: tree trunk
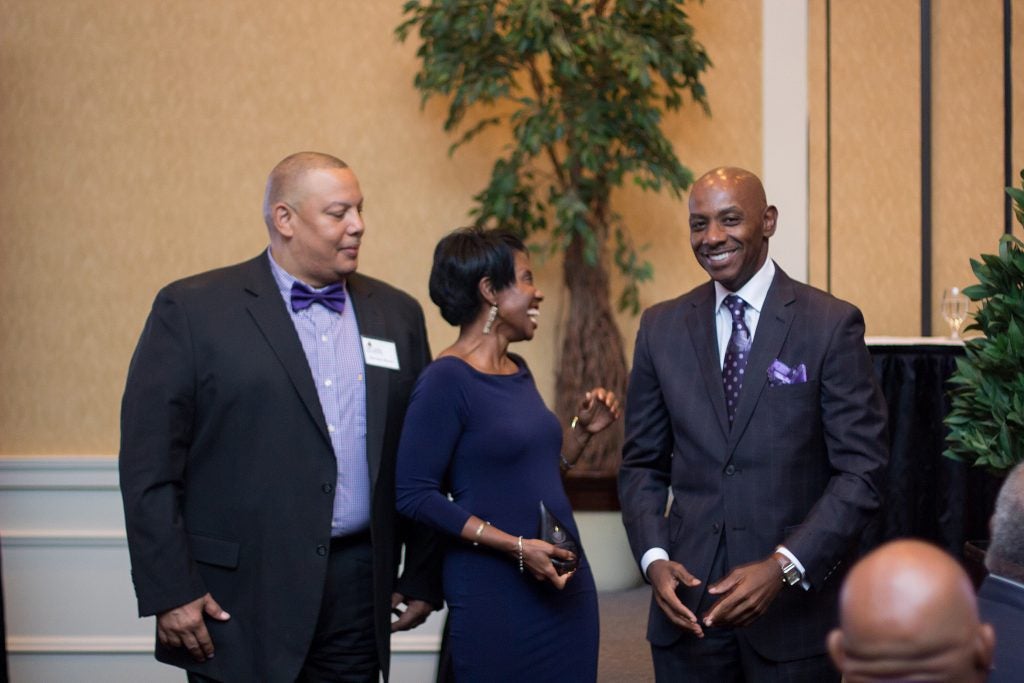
{"points": [[592, 355]]}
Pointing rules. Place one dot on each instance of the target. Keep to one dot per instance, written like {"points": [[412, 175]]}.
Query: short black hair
{"points": [[461, 259]]}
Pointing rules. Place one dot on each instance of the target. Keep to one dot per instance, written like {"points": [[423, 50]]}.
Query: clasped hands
{"points": [[744, 594]]}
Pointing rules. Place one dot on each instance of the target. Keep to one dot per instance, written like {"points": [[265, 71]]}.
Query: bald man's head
{"points": [[313, 208], [908, 612], [730, 223], [1005, 555], [283, 183]]}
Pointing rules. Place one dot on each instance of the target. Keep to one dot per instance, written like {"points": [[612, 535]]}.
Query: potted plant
{"points": [[581, 86], [986, 417]]}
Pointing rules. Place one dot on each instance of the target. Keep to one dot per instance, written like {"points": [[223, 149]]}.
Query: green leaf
{"points": [[582, 86], [986, 418]]}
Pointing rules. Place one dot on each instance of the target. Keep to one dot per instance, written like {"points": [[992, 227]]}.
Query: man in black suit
{"points": [[1001, 596], [908, 613], [752, 400], [259, 428]]}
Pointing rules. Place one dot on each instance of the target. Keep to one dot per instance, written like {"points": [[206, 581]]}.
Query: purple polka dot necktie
{"points": [[736, 353]]}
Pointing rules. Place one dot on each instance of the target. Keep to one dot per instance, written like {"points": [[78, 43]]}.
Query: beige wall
{"points": [[876, 146], [136, 136]]}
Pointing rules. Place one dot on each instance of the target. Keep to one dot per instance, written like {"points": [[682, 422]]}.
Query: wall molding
{"points": [[58, 472], [32, 487], [55, 538], [79, 645]]}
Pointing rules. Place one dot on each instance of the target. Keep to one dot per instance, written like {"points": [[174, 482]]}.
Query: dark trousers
{"points": [[724, 655], [344, 648]]}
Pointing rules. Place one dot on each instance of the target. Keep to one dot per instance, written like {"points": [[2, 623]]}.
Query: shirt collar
{"points": [[997, 577], [285, 280], [754, 291]]}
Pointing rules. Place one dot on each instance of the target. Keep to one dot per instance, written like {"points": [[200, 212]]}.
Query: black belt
{"points": [[350, 540]]}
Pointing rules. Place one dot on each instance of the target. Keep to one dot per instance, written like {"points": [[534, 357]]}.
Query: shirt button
{"points": [[359, 377], [328, 382], [323, 337], [330, 428], [730, 470], [327, 488], [321, 550]]}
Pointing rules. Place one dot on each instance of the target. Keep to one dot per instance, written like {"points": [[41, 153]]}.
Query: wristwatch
{"points": [[790, 573]]}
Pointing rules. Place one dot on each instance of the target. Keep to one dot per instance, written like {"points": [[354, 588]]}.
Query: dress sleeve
{"points": [[434, 422]]}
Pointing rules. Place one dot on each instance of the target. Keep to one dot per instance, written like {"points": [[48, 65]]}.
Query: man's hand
{"points": [[415, 613], [746, 592], [665, 576], [184, 626]]}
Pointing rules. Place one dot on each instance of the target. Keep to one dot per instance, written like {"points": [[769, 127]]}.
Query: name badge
{"points": [[380, 353]]}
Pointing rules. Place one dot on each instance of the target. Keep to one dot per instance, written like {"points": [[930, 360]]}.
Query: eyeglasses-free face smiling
{"points": [[730, 224], [519, 303]]}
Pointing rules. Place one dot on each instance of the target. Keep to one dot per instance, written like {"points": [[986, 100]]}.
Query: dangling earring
{"points": [[491, 316]]}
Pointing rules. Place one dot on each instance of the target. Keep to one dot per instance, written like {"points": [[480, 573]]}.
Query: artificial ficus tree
{"points": [[582, 87]]}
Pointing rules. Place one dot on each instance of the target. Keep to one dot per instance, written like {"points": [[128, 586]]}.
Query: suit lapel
{"points": [[271, 316], [704, 335], [372, 323], [772, 330]]}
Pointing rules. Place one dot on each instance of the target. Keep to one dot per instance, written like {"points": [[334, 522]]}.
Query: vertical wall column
{"points": [[785, 138]]}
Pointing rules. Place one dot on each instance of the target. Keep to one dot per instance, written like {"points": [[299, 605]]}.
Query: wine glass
{"points": [[954, 310]]}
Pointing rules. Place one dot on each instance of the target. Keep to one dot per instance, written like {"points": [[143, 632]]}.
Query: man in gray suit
{"points": [[752, 400], [1001, 596], [259, 429]]}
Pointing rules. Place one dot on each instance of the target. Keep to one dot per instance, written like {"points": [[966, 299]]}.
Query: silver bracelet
{"points": [[519, 550], [566, 465]]}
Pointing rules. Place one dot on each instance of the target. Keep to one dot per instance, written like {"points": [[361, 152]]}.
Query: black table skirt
{"points": [[927, 495]]}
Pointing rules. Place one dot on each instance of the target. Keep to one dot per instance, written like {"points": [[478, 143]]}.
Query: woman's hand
{"points": [[598, 409], [537, 555]]}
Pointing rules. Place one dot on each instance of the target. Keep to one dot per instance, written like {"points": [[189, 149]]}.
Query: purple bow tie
{"points": [[332, 297]]}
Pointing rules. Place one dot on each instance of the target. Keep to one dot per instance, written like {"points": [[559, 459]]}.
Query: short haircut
{"points": [[461, 259], [283, 178], [1006, 552]]}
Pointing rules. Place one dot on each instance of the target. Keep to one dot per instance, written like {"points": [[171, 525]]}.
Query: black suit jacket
{"points": [[227, 470], [1002, 604], [801, 466]]}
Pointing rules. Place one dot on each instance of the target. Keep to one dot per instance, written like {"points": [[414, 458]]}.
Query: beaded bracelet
{"points": [[519, 550]]}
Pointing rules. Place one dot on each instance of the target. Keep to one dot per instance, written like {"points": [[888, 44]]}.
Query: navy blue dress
{"points": [[491, 442]]}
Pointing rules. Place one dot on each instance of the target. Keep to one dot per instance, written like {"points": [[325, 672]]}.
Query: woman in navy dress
{"points": [[479, 453]]}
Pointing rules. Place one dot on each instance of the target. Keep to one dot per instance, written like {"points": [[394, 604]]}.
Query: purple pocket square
{"points": [[779, 373]]}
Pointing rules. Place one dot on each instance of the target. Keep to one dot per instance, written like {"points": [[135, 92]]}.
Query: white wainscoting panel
{"points": [[69, 605]]}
